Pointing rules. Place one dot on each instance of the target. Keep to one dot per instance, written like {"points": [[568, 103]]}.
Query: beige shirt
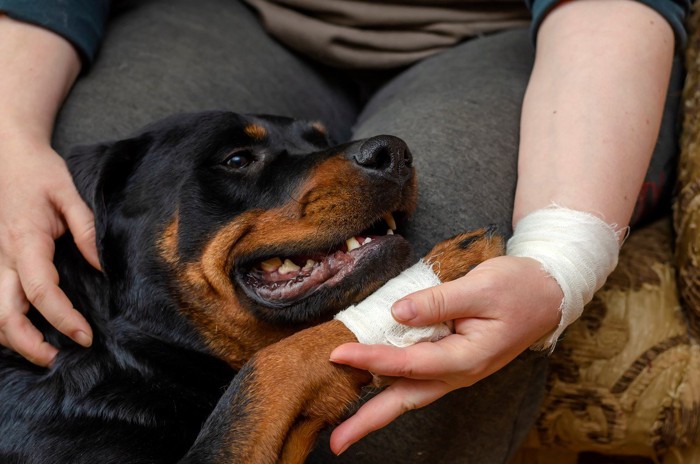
{"points": [[387, 34]]}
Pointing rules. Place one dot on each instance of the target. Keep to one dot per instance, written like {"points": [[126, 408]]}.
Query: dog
{"points": [[227, 243]]}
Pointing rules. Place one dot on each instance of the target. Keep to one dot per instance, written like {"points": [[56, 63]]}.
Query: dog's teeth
{"points": [[287, 267], [389, 218], [367, 240], [352, 243], [389, 232], [271, 265], [309, 264]]}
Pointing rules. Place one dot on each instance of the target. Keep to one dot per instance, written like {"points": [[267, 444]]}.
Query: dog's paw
{"points": [[458, 255]]}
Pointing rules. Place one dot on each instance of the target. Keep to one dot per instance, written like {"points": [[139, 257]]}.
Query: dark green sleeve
{"points": [[82, 22], [675, 12]]}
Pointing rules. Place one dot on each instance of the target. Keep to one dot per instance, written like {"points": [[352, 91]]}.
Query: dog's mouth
{"points": [[283, 280]]}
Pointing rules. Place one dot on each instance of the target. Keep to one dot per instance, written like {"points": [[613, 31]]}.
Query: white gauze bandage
{"points": [[579, 250], [371, 320]]}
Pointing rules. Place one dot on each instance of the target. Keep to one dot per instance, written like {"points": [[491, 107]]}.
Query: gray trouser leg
{"points": [[482, 424], [168, 56], [459, 113]]}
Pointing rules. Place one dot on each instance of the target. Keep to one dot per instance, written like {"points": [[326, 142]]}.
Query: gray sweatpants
{"points": [[459, 112]]}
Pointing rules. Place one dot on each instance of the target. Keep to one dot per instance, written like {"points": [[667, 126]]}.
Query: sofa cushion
{"points": [[625, 378]]}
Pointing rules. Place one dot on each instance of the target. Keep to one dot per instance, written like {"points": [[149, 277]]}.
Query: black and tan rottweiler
{"points": [[221, 238]]}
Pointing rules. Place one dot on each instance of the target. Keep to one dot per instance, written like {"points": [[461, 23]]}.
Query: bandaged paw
{"points": [[371, 320], [577, 249]]}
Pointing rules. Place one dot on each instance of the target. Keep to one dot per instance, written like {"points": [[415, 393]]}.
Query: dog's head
{"points": [[252, 226]]}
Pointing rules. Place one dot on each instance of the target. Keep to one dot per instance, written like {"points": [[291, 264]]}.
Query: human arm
{"points": [[589, 123], [39, 199], [602, 116]]}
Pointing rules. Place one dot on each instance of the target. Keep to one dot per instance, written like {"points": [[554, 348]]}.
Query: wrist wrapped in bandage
{"points": [[577, 249], [371, 320]]}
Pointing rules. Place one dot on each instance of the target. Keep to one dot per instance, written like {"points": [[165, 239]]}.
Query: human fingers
{"points": [[80, 221], [402, 396], [26, 340], [16, 332], [39, 279], [453, 355], [459, 298], [503, 288]]}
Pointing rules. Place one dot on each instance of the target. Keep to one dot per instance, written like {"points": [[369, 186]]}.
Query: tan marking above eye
{"points": [[255, 131]]}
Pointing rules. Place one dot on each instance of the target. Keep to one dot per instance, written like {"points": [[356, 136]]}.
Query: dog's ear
{"points": [[101, 171]]}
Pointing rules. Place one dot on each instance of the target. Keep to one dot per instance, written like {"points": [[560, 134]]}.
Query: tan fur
{"points": [[450, 261], [255, 131], [208, 299], [325, 204], [299, 391]]}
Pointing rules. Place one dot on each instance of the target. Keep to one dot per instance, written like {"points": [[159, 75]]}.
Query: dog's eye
{"points": [[239, 159]]}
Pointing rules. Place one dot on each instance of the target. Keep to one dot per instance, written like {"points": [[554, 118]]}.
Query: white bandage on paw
{"points": [[371, 320], [579, 250]]}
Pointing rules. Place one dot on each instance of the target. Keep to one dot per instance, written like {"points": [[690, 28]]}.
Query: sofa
{"points": [[624, 384]]}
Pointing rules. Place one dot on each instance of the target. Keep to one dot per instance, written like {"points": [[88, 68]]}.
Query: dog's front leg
{"points": [[280, 400]]}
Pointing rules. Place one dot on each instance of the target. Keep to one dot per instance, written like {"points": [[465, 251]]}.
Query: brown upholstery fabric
{"points": [[625, 379], [687, 206]]}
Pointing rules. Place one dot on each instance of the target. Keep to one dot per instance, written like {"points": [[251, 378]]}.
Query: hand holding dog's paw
{"points": [[40, 203], [499, 309]]}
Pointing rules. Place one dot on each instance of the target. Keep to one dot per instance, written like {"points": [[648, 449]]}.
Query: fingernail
{"points": [[82, 338], [334, 357], [343, 449], [53, 360], [54, 353], [403, 310]]}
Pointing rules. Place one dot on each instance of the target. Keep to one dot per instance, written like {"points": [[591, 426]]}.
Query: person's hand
{"points": [[499, 309], [39, 202]]}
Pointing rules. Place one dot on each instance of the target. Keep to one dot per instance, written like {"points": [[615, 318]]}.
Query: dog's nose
{"points": [[386, 155]]}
